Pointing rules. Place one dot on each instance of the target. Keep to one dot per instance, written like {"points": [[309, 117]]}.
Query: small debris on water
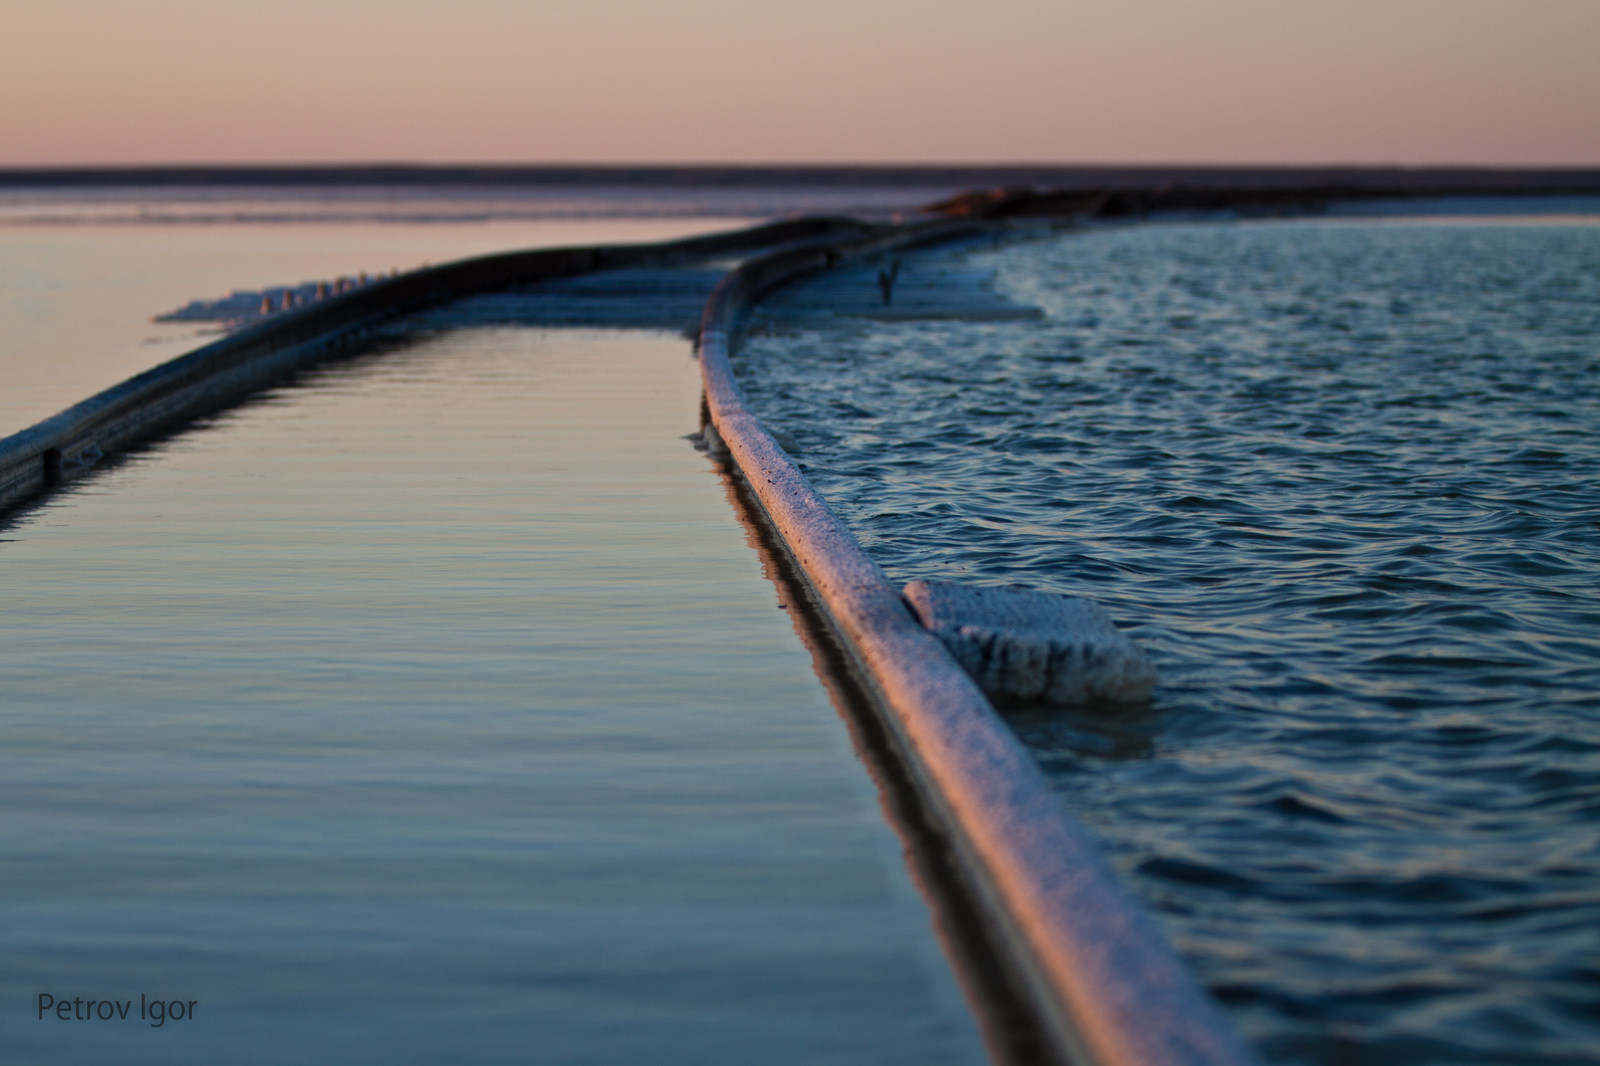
{"points": [[886, 280]]}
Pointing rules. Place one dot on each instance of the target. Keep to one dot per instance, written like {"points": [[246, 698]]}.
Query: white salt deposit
{"points": [[1033, 647]]}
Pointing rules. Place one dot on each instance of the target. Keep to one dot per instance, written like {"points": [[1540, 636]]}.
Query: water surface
{"points": [[436, 710], [1340, 479], [78, 292], [84, 270]]}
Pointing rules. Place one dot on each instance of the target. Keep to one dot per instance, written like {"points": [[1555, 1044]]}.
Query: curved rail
{"points": [[224, 372], [1100, 975]]}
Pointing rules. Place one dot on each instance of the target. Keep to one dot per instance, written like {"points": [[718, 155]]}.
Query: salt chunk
{"points": [[1023, 646]]}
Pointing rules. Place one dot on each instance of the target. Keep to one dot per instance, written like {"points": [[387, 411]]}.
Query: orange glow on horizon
{"points": [[1137, 81]]}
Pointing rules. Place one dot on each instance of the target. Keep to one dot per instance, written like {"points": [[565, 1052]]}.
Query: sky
{"points": [[819, 81]]}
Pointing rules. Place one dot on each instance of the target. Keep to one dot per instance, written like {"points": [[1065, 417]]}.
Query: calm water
{"points": [[83, 271], [1343, 480], [77, 297], [435, 709]]}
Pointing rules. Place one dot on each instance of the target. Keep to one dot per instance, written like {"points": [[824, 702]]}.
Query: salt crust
{"points": [[1023, 646]]}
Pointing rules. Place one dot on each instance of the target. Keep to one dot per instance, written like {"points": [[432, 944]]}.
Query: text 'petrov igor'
{"points": [[154, 1012]]}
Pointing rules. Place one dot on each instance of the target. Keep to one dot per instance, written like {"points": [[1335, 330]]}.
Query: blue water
{"points": [[436, 709], [1342, 479], [83, 271], [77, 297]]}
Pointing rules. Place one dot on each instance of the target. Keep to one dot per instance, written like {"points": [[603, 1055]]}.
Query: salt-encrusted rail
{"points": [[223, 373], [1099, 975], [1103, 979]]}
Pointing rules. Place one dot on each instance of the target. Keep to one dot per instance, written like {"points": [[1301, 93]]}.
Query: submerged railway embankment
{"points": [[1068, 950]]}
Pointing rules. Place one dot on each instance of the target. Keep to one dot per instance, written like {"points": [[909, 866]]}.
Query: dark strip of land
{"points": [[1364, 181]]}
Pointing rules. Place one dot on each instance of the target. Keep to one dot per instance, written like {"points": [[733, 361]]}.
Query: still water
{"points": [[84, 270], [437, 710], [432, 709], [1342, 479], [76, 300]]}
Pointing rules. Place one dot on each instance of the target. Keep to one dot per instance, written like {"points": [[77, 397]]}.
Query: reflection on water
{"points": [[1129, 732], [77, 299], [434, 711], [84, 270], [1339, 478]]}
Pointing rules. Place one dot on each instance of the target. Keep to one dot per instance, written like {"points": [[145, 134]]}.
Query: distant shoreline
{"points": [[1369, 180]]}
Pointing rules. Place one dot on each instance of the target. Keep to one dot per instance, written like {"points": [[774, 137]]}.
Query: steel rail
{"points": [[227, 371], [1101, 976]]}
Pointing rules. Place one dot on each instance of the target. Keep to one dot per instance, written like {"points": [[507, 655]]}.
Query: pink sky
{"points": [[1271, 81]]}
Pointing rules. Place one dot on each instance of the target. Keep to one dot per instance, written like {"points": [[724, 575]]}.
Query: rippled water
{"points": [[1343, 481]]}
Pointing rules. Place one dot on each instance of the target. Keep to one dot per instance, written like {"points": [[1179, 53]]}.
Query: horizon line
{"points": [[1409, 179]]}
